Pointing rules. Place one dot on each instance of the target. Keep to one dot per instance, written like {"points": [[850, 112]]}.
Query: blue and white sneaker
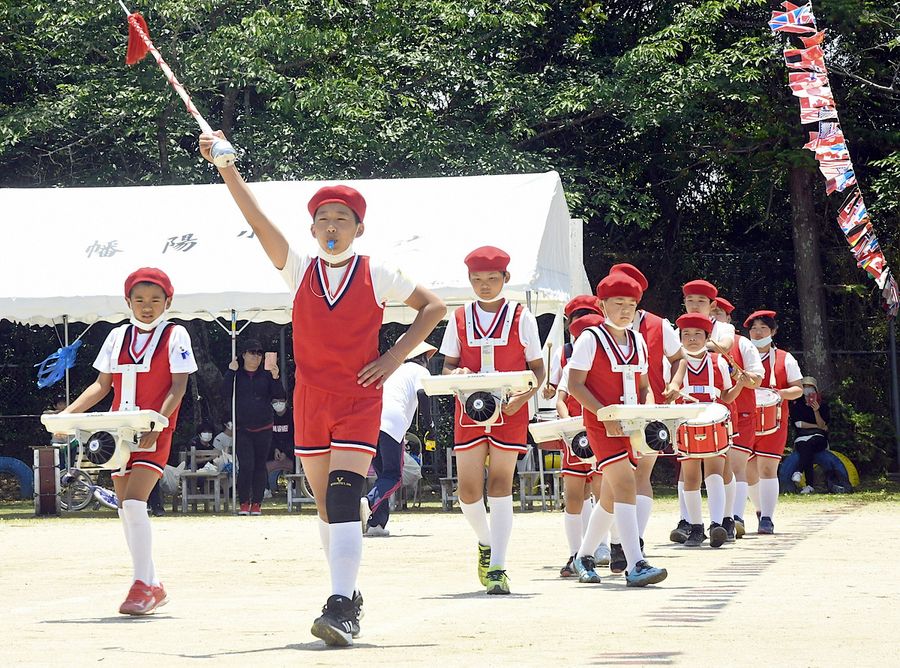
{"points": [[644, 574], [602, 555], [584, 568], [766, 525]]}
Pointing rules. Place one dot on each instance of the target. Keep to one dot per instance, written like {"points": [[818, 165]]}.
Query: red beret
{"points": [[580, 324], [619, 285], [487, 258], [758, 314], [580, 302], [633, 272], [149, 275], [349, 197], [695, 321], [724, 304], [700, 287]]}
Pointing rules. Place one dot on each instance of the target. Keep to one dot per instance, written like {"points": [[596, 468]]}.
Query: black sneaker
{"points": [[617, 561], [728, 523], [681, 532], [568, 571], [643, 554], [360, 613], [739, 529], [335, 626], [696, 536], [717, 535], [766, 526]]}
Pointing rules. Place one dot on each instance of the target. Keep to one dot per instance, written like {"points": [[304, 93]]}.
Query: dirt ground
{"points": [[245, 590]]}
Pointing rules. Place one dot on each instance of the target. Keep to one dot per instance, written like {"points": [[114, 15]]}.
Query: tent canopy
{"points": [[70, 249]]}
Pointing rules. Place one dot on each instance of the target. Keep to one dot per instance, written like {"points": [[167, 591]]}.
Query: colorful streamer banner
{"points": [[808, 81]]}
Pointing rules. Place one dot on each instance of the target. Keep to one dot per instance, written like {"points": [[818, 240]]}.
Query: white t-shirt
{"points": [[556, 368], [181, 355], [528, 333], [586, 347], [722, 330], [750, 356], [671, 342], [563, 385], [791, 368], [401, 399], [389, 284], [222, 441]]}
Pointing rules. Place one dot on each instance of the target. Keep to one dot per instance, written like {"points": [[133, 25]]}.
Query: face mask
{"points": [[206, 436], [336, 258], [697, 352], [609, 323], [279, 406], [761, 343], [148, 326], [228, 426], [498, 298]]}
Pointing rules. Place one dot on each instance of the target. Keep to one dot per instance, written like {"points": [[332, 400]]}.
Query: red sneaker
{"points": [[141, 600], [245, 509], [159, 593], [255, 509]]}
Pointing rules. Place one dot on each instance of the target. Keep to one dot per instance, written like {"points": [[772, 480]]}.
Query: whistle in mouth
{"points": [[330, 244]]}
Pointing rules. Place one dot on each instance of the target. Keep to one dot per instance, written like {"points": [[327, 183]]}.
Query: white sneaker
{"points": [[364, 513], [601, 555], [377, 531], [807, 490], [796, 477], [267, 494]]}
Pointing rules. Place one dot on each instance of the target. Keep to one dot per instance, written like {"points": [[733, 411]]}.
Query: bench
{"points": [[298, 490], [200, 487]]}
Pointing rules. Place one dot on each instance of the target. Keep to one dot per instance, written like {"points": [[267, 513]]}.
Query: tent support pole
{"points": [[895, 388], [282, 356], [66, 343], [234, 462]]}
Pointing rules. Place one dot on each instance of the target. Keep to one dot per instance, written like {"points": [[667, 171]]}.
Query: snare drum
{"points": [[708, 435], [768, 412]]}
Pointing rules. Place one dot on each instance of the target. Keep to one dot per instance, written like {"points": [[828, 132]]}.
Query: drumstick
{"points": [[724, 353], [549, 357], [688, 397]]}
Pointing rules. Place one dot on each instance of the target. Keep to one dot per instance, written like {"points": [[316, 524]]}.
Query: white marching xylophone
{"points": [[107, 439], [481, 394]]}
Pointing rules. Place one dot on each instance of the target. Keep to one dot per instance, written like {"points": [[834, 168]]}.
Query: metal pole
{"points": [[895, 387], [282, 356], [234, 462], [66, 343]]}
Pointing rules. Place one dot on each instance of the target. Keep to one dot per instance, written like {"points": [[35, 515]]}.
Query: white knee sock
{"points": [[140, 540], [324, 533], [768, 496], [614, 533], [476, 515], [730, 488], [715, 496], [597, 527], [501, 527], [344, 554], [586, 509], [694, 504], [626, 518], [573, 524], [740, 498], [644, 506], [681, 503], [753, 491], [125, 529]]}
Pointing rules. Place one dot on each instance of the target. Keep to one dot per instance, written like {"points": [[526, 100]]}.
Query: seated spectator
{"points": [[203, 439], [809, 415], [224, 438], [281, 454]]}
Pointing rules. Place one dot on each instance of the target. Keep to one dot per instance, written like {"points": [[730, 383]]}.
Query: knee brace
{"points": [[342, 496]]}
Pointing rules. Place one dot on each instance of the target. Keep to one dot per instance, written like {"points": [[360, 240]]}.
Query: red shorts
{"points": [[608, 449], [324, 421], [745, 433], [572, 466], [772, 445], [512, 434], [154, 461]]}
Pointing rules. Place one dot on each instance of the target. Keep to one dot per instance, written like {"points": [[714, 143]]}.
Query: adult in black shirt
{"points": [[254, 390], [809, 415]]}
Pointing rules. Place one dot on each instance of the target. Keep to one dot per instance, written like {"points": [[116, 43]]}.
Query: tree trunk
{"points": [[808, 269]]}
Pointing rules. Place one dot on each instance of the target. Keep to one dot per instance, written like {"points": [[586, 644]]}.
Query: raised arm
{"points": [[270, 237]]}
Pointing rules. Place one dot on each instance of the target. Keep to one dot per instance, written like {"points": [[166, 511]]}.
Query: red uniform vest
{"points": [[335, 337], [651, 328], [151, 387], [607, 385], [510, 357], [700, 378], [745, 402]]}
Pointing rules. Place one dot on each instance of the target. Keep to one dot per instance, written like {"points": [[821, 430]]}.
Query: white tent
{"points": [[68, 250]]}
